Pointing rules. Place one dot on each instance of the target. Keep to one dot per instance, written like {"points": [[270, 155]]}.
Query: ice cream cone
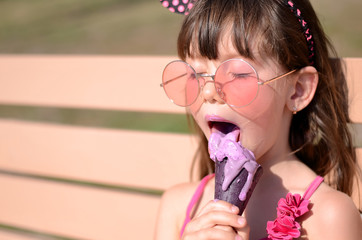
{"points": [[232, 193]]}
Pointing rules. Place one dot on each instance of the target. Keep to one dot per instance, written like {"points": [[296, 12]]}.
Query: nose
{"points": [[209, 92]]}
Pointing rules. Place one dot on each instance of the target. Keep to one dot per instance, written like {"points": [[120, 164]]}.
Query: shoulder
{"points": [[333, 216], [172, 210], [179, 194]]}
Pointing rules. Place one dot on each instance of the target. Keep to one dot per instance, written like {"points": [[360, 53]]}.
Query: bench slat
{"points": [[81, 81], [77, 212], [354, 81], [104, 155]]}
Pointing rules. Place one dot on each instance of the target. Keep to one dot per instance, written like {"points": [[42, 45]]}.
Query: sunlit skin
{"points": [[264, 129]]}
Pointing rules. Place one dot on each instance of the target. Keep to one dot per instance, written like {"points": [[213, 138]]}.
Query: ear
{"points": [[303, 88]]}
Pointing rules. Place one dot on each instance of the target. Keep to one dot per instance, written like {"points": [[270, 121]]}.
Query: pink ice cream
{"points": [[235, 166]]}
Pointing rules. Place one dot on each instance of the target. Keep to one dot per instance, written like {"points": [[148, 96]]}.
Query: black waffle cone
{"points": [[231, 194]]}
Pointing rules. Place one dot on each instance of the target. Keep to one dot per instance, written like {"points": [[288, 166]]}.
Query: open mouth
{"points": [[225, 128]]}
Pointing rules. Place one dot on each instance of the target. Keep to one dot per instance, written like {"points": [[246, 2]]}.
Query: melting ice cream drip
{"points": [[223, 146]]}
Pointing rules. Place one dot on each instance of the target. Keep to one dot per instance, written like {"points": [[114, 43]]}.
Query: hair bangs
{"points": [[210, 21]]}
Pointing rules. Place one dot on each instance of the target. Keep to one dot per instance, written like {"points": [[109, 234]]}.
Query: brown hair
{"points": [[319, 133]]}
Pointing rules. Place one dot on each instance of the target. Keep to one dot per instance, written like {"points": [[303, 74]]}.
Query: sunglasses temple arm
{"points": [[276, 78], [171, 80]]}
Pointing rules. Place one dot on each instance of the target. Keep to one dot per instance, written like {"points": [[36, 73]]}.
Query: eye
{"points": [[240, 75]]}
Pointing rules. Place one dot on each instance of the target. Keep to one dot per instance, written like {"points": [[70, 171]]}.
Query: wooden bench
{"points": [[88, 144]]}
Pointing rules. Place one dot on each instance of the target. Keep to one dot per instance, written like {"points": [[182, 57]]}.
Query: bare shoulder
{"points": [[333, 216], [172, 210], [176, 198]]}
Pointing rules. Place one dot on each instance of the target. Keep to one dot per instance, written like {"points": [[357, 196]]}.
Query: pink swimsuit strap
{"points": [[195, 199], [313, 187]]}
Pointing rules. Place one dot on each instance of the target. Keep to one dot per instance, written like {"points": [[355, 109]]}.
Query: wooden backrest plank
{"points": [[76, 212], [154, 160], [354, 81], [81, 81]]}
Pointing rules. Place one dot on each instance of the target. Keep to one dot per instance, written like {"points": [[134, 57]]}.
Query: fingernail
{"points": [[234, 209], [216, 200], [238, 237], [241, 220]]}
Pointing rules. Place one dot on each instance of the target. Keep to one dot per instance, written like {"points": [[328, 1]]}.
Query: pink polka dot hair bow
{"points": [[178, 6]]}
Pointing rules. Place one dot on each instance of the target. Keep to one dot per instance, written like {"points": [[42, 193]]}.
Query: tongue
{"points": [[222, 132], [227, 130]]}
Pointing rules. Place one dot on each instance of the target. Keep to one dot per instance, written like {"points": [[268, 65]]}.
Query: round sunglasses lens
{"points": [[238, 82], [180, 83]]}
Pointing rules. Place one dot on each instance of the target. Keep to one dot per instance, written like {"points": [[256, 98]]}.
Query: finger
{"points": [[218, 205], [225, 228], [214, 218], [244, 229]]}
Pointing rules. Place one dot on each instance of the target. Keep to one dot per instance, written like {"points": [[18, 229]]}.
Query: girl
{"points": [[264, 67]]}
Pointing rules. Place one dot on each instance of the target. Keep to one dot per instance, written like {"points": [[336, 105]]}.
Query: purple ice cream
{"points": [[236, 171]]}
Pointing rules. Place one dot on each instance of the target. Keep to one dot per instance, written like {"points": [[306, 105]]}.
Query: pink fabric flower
{"points": [[285, 226], [293, 205]]}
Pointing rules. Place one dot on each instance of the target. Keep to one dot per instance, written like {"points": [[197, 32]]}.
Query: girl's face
{"points": [[264, 123]]}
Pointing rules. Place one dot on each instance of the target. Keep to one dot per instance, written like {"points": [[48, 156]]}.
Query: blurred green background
{"points": [[124, 27]]}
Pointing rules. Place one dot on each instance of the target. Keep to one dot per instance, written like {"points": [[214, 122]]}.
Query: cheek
{"points": [[195, 107], [262, 119], [261, 105]]}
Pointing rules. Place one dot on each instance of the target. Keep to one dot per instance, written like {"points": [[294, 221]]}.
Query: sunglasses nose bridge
{"points": [[205, 75], [203, 83]]}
